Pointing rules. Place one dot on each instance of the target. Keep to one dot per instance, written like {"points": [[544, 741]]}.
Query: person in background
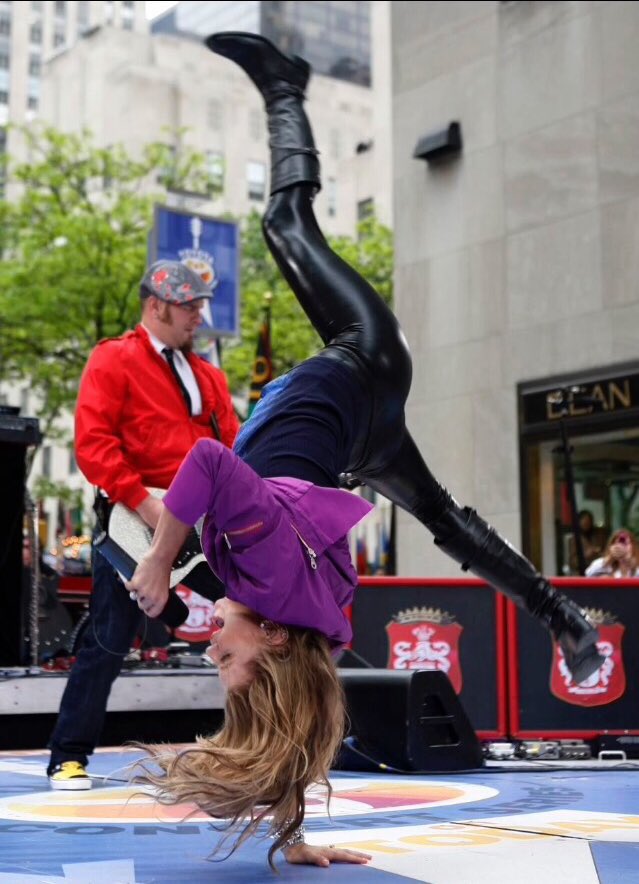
{"points": [[620, 558], [276, 521], [593, 540], [144, 399]]}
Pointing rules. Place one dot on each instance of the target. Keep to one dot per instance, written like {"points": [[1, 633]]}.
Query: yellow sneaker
{"points": [[69, 775]]}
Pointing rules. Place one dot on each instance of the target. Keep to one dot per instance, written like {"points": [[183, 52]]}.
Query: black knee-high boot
{"points": [[281, 81], [469, 540], [404, 478]]}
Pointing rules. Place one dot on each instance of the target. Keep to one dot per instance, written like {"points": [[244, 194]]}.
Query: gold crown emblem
{"points": [[600, 617], [417, 615]]}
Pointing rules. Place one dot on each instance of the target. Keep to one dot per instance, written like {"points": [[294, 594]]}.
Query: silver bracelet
{"points": [[296, 838]]}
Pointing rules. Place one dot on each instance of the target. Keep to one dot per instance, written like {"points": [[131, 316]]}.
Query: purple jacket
{"points": [[279, 545]]}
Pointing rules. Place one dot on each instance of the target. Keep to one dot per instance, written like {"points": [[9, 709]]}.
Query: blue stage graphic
{"points": [[494, 825], [209, 247]]}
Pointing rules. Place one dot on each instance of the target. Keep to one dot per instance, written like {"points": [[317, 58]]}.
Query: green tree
{"points": [[74, 245], [293, 338]]}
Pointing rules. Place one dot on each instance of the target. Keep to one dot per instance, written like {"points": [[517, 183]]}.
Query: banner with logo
{"points": [[451, 626], [545, 700], [211, 248]]}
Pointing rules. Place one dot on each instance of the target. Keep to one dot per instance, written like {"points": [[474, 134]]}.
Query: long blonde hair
{"points": [[280, 735]]}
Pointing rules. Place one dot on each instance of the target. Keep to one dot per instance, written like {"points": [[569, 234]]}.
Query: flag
{"points": [[263, 365], [362, 557]]}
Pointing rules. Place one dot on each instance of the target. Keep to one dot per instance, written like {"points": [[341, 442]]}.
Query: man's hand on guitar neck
{"points": [[150, 511]]}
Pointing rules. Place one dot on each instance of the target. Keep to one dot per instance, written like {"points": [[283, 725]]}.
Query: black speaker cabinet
{"points": [[12, 477], [446, 625], [406, 720], [16, 435]]}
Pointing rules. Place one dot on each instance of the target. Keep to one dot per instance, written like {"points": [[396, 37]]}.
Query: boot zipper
{"points": [[312, 555]]}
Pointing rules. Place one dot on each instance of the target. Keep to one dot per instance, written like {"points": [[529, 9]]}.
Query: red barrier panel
{"points": [[455, 626], [544, 702]]}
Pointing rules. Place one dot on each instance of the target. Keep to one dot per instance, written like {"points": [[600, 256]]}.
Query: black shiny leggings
{"points": [[358, 328]]}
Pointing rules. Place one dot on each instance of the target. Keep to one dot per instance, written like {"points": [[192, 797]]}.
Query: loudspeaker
{"points": [[440, 146], [12, 481], [404, 721]]}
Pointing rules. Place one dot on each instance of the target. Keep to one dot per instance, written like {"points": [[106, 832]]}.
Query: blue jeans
{"points": [[108, 638]]}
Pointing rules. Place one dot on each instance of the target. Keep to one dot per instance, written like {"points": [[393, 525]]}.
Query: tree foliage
{"points": [[74, 245]]}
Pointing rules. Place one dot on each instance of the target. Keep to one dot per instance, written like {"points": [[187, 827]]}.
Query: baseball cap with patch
{"points": [[173, 282]]}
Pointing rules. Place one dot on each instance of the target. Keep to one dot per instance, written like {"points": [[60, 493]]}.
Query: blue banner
{"points": [[211, 248]]}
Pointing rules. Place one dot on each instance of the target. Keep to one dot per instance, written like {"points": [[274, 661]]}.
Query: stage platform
{"points": [[34, 691], [518, 823]]}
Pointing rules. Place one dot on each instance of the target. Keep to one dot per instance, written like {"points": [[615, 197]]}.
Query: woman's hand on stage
{"points": [[149, 586], [311, 855]]}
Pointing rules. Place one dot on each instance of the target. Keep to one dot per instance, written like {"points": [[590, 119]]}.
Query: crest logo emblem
{"points": [[197, 259], [425, 638], [199, 623], [605, 685]]}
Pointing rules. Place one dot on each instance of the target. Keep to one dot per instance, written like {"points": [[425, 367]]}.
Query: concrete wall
{"points": [[518, 260]]}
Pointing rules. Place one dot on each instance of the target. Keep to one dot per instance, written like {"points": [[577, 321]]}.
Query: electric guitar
{"points": [[125, 538]]}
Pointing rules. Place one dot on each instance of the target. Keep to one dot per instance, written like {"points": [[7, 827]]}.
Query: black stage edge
{"points": [[181, 726]]}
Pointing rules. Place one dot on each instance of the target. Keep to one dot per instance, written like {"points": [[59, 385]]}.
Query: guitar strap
{"points": [[102, 507]]}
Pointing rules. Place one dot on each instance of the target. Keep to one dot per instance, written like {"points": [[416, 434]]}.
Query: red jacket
{"points": [[132, 426]]}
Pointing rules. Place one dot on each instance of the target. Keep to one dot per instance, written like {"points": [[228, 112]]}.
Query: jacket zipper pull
{"points": [[312, 555], [228, 542]]}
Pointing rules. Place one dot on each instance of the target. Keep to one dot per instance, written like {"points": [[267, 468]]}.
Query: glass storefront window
{"points": [[586, 459]]}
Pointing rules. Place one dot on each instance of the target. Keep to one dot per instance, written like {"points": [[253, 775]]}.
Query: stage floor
{"points": [[545, 823]]}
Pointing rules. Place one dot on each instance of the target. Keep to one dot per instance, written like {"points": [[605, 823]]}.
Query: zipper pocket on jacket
{"points": [[312, 555], [238, 531]]}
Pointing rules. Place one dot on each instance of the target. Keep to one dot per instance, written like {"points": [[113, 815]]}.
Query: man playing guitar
{"points": [[144, 400]]}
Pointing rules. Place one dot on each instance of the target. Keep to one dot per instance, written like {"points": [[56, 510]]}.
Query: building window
{"points": [[32, 102], [128, 4], [335, 145], [3, 148], [255, 125], [127, 23], [37, 5], [83, 14], [46, 462], [214, 114], [4, 96], [35, 65], [215, 168], [256, 180], [60, 8], [365, 208], [59, 36], [73, 466], [331, 196], [24, 401], [5, 23], [35, 33], [4, 61], [166, 172]]}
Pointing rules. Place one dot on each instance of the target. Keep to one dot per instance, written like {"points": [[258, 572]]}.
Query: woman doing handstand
{"points": [[276, 523]]}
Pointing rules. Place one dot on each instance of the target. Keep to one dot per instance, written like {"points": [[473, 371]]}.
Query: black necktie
{"points": [[170, 358]]}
